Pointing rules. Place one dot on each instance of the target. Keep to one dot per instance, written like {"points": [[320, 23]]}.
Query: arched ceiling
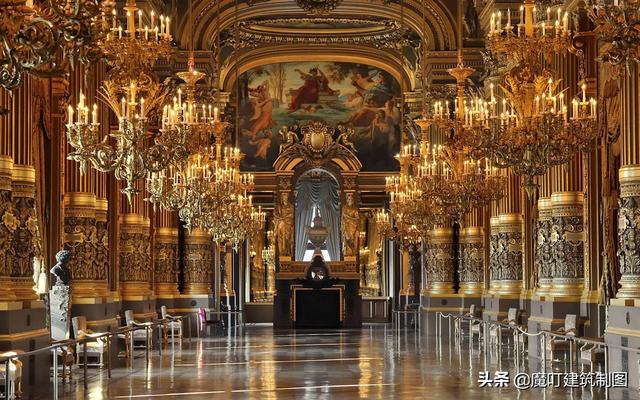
{"points": [[389, 34]]}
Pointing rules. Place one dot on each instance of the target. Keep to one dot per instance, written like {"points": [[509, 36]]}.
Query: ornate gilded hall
{"points": [[319, 199]]}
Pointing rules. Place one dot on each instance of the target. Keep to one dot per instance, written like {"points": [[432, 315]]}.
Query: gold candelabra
{"points": [[44, 37], [617, 22], [532, 128], [131, 92]]}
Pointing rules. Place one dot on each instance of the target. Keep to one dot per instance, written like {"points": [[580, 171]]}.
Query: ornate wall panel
{"points": [[102, 236], [439, 261], [494, 252], [135, 256], [544, 256], [198, 264], [567, 236], [629, 232], [471, 260], [9, 221]]}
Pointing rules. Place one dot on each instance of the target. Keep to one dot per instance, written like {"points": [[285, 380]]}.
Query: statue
{"points": [[344, 135], [289, 137], [350, 219], [284, 226], [60, 270], [471, 24]]}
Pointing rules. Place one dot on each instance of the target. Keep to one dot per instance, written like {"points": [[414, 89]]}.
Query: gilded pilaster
{"points": [[439, 262], [198, 263], [7, 228], [135, 270]]}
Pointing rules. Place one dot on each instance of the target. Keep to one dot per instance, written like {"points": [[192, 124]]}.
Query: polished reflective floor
{"points": [[372, 363]]}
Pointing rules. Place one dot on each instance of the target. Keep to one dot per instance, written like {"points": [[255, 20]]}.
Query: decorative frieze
{"points": [[439, 261], [166, 262]]}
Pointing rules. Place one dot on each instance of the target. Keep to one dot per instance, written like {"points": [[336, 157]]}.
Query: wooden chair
{"points": [[591, 354], [173, 327], [475, 327], [136, 336], [15, 374], [95, 349], [569, 329], [496, 333]]}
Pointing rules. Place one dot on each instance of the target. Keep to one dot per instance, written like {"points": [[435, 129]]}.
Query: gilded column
{"points": [[509, 243], [8, 225], [439, 261], [198, 263], [629, 175], [166, 255], [494, 253], [472, 253], [23, 193], [543, 256], [136, 274]]}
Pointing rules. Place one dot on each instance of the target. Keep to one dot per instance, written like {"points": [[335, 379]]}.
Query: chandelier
{"points": [[414, 214], [44, 37], [137, 152], [618, 22], [531, 128]]}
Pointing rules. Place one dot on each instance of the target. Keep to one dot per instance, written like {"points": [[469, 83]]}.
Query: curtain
{"points": [[323, 195]]}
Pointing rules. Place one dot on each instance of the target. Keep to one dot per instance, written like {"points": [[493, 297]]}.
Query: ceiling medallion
{"points": [[318, 7]]}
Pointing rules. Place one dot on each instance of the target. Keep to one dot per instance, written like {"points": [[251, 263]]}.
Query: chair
{"points": [[475, 327], [96, 348], [15, 374], [497, 332], [556, 344], [173, 325], [591, 353], [138, 335]]}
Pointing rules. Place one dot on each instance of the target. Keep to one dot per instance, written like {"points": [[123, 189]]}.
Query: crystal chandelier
{"points": [[531, 128], [132, 94], [617, 22], [44, 37]]}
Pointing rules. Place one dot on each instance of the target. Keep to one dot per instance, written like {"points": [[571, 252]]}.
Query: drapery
{"points": [[322, 194]]}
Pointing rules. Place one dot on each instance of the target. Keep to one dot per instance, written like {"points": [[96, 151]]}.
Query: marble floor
{"points": [[371, 363]]}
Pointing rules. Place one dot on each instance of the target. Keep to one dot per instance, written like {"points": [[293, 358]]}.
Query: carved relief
{"points": [[350, 220], [544, 249], [166, 262], [494, 253], [439, 262], [102, 249], [509, 256], [24, 244], [629, 235], [81, 240], [471, 262], [283, 218], [7, 228], [135, 257], [198, 263], [568, 250]]}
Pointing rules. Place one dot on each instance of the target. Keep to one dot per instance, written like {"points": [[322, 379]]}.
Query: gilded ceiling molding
{"points": [[440, 22], [277, 54]]}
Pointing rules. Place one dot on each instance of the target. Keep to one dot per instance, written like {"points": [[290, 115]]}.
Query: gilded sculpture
{"points": [[349, 231], [284, 226]]}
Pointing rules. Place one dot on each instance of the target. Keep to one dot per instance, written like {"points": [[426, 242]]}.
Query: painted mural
{"points": [[279, 97]]}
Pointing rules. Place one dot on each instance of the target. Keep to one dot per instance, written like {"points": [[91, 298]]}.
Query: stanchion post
{"points": [[55, 373], [7, 381], [108, 344], [84, 362]]}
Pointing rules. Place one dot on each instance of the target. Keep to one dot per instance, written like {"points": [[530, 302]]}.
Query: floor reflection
{"points": [[372, 363]]}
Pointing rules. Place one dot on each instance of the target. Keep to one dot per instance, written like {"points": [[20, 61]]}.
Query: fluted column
{"points": [[629, 175], [439, 261], [198, 264], [507, 274], [472, 254]]}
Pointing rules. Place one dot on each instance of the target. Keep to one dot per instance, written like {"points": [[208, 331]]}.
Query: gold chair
{"points": [[96, 348], [15, 374], [555, 344]]}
